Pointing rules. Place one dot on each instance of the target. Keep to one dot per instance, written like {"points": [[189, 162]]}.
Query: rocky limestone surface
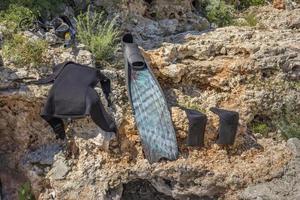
{"points": [[286, 187], [285, 4], [81, 169], [250, 70], [278, 19]]}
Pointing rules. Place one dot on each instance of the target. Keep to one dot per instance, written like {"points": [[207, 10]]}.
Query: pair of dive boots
{"points": [[228, 121], [152, 115]]}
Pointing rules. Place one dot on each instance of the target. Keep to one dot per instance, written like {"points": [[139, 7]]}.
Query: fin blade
{"points": [[153, 118]]}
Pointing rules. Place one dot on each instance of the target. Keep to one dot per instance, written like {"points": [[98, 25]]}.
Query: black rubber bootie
{"points": [[229, 121], [197, 124]]}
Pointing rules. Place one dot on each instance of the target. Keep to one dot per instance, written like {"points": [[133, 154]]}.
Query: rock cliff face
{"points": [[254, 71]]}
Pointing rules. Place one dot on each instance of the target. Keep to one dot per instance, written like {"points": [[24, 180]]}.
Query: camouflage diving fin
{"points": [[148, 103]]}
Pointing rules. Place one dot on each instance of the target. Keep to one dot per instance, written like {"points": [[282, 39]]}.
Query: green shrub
{"points": [[251, 19], [23, 51], [290, 130], [37, 6], [25, 192], [218, 12], [4, 4], [248, 19], [98, 34], [13, 15], [289, 122], [192, 106], [297, 85], [244, 4], [187, 102], [260, 127]]}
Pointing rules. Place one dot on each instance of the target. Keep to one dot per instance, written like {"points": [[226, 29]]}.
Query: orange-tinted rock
{"points": [[279, 4]]}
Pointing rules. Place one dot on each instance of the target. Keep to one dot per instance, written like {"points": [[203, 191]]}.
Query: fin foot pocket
{"points": [[197, 125], [228, 126]]}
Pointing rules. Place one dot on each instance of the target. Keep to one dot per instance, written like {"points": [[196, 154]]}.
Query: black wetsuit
{"points": [[73, 96]]}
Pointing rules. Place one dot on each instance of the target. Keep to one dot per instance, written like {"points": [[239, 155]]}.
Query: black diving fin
{"points": [[229, 121], [149, 106]]}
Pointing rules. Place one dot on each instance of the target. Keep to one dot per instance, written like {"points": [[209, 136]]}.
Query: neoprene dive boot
{"points": [[197, 124], [228, 124]]}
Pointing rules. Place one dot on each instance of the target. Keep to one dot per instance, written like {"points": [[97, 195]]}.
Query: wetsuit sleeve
{"points": [[50, 79]]}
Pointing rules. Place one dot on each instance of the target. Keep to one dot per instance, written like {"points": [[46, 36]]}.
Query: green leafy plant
{"points": [[260, 127], [99, 35], [23, 51], [13, 15], [218, 12], [37, 6], [289, 122], [290, 130], [248, 19], [251, 19], [4, 4], [297, 85], [192, 106], [244, 4], [188, 103], [25, 192]]}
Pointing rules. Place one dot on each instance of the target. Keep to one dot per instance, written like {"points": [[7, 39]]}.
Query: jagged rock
{"points": [[180, 122], [60, 168], [44, 155], [286, 187], [51, 38], [279, 4], [294, 145], [32, 36], [169, 25], [81, 56], [94, 171], [277, 19], [182, 179], [285, 4]]}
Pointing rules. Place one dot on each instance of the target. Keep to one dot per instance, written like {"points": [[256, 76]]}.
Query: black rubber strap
{"points": [[57, 125], [105, 85]]}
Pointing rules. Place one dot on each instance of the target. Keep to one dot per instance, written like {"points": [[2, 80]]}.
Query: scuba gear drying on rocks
{"points": [[64, 29], [197, 124], [73, 96], [229, 121], [61, 26], [149, 106]]}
